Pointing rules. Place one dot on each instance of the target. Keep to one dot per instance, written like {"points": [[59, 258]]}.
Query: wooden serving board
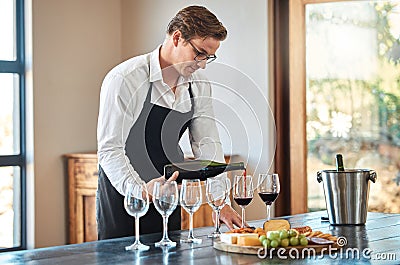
{"points": [[233, 248]]}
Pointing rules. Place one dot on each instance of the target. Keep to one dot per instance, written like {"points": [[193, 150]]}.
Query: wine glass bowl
{"points": [[136, 204], [217, 191], [165, 199], [190, 199], [243, 193], [268, 187]]}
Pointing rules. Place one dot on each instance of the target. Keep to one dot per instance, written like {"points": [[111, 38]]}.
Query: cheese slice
{"points": [[276, 224], [248, 240], [229, 238]]}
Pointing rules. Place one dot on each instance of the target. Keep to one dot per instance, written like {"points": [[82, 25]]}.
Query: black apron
{"points": [[153, 142]]}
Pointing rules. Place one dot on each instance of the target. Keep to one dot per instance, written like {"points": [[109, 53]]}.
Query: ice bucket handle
{"points": [[372, 176], [319, 177]]}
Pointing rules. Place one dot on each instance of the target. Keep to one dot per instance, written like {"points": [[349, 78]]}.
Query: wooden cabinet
{"points": [[82, 184]]}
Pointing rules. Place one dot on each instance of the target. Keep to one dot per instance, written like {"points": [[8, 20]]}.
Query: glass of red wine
{"points": [[243, 193], [268, 189]]}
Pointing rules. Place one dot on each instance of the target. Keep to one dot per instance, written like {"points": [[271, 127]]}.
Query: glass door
{"points": [[352, 86]]}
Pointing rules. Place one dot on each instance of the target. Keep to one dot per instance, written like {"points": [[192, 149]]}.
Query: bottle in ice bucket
{"points": [[346, 193], [339, 162], [200, 169]]}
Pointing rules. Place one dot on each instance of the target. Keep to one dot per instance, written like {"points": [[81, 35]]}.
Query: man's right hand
{"points": [[150, 184]]}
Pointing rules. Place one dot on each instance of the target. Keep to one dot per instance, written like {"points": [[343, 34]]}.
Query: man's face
{"points": [[185, 61]]}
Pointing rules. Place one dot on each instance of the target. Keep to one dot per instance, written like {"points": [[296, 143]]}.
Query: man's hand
{"points": [[229, 217], [150, 184]]}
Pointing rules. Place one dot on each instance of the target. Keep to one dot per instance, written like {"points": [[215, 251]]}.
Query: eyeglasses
{"points": [[201, 56]]}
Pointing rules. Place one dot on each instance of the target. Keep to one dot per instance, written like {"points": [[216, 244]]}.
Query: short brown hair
{"points": [[197, 21]]}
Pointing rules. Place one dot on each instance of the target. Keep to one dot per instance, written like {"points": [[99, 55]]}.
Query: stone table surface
{"points": [[376, 242]]}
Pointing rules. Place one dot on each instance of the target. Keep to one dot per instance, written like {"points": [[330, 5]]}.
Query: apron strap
{"points": [[148, 96]]}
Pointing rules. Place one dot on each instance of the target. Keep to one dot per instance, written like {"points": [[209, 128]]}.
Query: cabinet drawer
{"points": [[86, 173]]}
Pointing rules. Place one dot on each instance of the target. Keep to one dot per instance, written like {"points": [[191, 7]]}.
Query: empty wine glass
{"points": [[268, 189], [243, 193], [217, 191], [165, 199], [190, 199], [136, 203]]}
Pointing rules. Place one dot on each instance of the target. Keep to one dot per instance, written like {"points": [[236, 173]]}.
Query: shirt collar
{"points": [[155, 68]]}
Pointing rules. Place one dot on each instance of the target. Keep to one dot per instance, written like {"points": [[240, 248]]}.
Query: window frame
{"points": [[19, 160]]}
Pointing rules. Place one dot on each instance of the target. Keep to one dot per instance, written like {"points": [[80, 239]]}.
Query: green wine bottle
{"points": [[339, 162], [200, 169]]}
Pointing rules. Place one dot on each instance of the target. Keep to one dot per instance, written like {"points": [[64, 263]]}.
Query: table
{"points": [[381, 235]]}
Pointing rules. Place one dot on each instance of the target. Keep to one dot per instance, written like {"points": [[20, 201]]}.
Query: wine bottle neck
{"points": [[339, 162], [235, 166]]}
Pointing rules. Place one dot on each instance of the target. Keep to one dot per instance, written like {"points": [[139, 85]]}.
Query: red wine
{"points": [[268, 197], [245, 182], [243, 201]]}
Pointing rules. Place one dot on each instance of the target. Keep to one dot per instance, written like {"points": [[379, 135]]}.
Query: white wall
{"points": [[75, 43], [240, 75]]}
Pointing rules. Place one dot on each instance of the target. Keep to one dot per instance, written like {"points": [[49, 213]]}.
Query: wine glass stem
{"points": [[165, 232], [268, 212], [136, 230], [217, 221], [243, 216], [190, 225]]}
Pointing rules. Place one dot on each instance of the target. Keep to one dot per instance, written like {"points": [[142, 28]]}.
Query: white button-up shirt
{"points": [[122, 96]]}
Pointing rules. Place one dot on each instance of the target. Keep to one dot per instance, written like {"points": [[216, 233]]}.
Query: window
{"points": [[343, 97], [12, 126], [353, 95]]}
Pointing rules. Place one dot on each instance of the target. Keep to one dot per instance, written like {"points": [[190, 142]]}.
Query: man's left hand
{"points": [[230, 217]]}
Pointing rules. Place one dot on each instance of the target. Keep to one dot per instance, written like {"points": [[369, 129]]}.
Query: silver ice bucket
{"points": [[346, 194]]}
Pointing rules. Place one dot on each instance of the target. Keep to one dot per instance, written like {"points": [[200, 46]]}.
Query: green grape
{"points": [[294, 241], [303, 241], [283, 234], [274, 244], [292, 233], [266, 243], [273, 235], [285, 242], [301, 236], [261, 238]]}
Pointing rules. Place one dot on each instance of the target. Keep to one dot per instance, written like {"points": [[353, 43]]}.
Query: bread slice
{"points": [[303, 229]]}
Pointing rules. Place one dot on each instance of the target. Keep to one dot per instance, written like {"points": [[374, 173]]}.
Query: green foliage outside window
{"points": [[367, 111]]}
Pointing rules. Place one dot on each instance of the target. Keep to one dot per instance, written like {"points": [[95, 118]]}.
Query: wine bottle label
{"points": [[200, 169]]}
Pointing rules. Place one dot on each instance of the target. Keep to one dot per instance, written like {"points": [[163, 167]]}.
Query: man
{"points": [[146, 103]]}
